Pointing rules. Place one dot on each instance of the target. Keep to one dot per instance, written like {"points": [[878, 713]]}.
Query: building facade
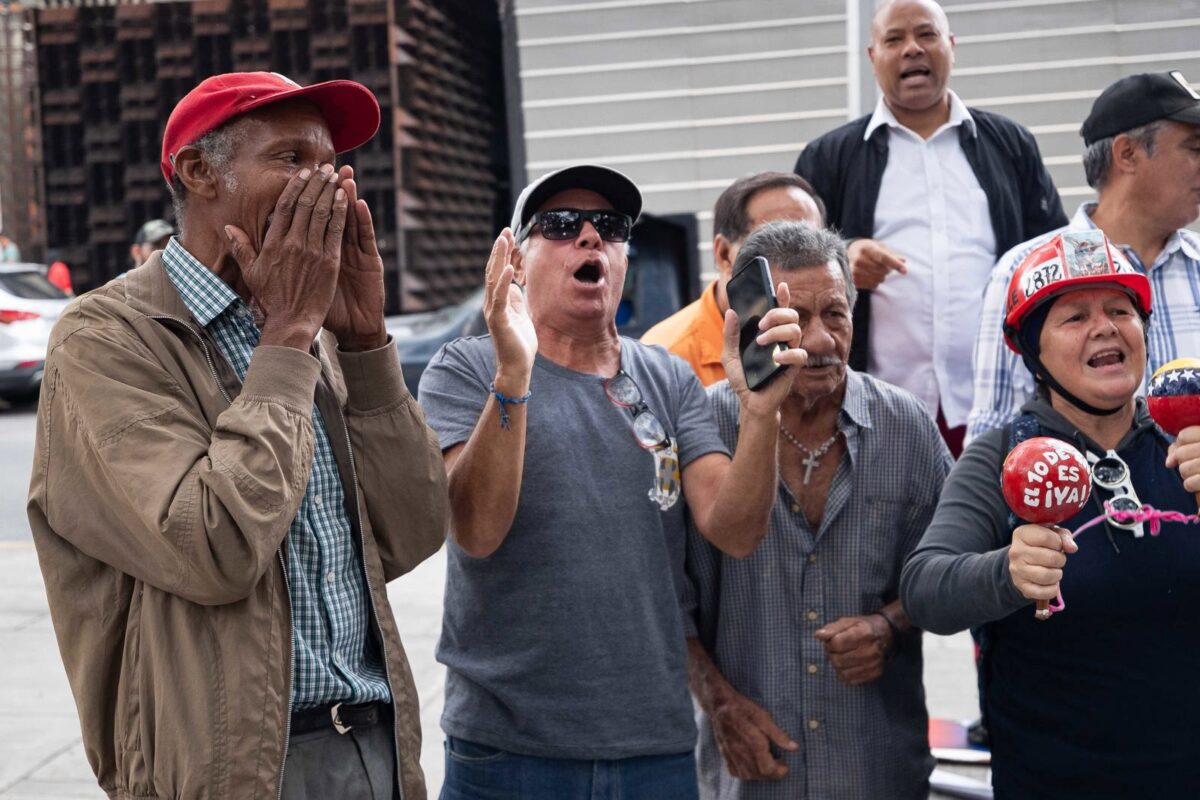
{"points": [[687, 95], [19, 159], [480, 96], [435, 176]]}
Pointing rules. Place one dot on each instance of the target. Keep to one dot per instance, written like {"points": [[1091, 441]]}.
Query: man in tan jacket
{"points": [[229, 470]]}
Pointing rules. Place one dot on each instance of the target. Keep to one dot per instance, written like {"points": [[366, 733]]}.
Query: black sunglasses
{"points": [[558, 224]]}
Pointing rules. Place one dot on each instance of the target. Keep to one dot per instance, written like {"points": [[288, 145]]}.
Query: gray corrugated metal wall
{"points": [[686, 95]]}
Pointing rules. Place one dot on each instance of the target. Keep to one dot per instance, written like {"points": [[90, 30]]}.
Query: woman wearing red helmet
{"points": [[1102, 700]]}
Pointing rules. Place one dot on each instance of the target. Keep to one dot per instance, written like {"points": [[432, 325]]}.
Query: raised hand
{"points": [[780, 325], [356, 314], [871, 261], [294, 277], [857, 647], [1036, 559], [508, 320]]}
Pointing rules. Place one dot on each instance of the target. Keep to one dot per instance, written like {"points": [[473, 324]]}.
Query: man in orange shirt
{"points": [[694, 332]]}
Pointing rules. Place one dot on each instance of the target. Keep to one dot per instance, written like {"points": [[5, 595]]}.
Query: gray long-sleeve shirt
{"points": [[958, 576], [1098, 703]]}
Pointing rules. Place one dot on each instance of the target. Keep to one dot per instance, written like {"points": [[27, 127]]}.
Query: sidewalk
{"points": [[41, 757], [40, 751]]}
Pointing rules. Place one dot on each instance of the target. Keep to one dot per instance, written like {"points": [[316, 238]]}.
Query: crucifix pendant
{"points": [[810, 463]]}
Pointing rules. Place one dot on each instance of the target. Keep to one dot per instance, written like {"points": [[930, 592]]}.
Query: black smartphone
{"points": [[751, 295]]}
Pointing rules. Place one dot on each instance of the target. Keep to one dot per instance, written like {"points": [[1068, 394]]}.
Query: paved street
{"points": [[16, 455], [40, 752]]}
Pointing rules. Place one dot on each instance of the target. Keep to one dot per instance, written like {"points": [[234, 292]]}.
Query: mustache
{"points": [[816, 362]]}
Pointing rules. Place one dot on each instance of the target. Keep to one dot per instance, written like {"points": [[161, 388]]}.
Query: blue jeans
{"points": [[478, 772]]}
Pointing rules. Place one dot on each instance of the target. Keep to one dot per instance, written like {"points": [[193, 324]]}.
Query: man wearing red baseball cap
{"points": [[230, 469]]}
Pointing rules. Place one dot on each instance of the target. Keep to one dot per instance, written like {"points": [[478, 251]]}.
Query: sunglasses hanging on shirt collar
{"points": [[1111, 473], [650, 434]]}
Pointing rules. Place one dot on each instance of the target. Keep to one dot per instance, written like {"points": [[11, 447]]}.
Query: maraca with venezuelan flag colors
{"points": [[1174, 397]]}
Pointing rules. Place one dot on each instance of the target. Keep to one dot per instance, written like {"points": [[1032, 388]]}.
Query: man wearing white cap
{"points": [[568, 449]]}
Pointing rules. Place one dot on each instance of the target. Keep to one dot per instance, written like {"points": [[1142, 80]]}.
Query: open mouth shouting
{"points": [[589, 274], [1110, 357], [915, 73]]}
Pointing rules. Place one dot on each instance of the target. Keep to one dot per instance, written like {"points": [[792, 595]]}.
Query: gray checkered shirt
{"points": [[756, 616], [334, 656]]}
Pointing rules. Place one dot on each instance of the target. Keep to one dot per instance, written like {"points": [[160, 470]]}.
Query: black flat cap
{"points": [[1138, 100]]}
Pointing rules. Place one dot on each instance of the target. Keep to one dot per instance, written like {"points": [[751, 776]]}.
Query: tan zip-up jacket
{"points": [[162, 491]]}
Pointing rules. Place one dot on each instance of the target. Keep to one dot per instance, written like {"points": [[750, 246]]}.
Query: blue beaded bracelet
{"points": [[504, 400]]}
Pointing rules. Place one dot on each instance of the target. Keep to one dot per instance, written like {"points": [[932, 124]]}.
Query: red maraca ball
{"points": [[1045, 480], [1174, 398]]}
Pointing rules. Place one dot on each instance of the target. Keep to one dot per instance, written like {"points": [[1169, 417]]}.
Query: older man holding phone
{"points": [[805, 668], [568, 449]]}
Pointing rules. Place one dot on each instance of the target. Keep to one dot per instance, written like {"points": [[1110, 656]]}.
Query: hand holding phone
{"points": [[751, 295]]}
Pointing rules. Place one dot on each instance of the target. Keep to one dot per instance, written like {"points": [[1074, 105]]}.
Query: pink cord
{"points": [[1144, 514]]}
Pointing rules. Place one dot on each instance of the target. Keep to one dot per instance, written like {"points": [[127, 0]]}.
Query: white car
{"points": [[29, 307]]}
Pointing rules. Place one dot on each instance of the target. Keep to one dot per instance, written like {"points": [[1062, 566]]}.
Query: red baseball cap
{"points": [[350, 109]]}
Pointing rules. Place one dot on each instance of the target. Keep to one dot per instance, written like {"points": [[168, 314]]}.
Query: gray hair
{"points": [[218, 148], [1097, 157], [791, 245]]}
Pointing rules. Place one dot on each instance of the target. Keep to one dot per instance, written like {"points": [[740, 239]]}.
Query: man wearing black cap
{"points": [[229, 470], [569, 449], [1142, 156]]}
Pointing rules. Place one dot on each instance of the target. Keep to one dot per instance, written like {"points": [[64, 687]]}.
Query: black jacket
{"points": [[847, 172]]}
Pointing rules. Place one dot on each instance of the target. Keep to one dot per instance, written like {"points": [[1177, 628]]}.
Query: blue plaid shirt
{"points": [[335, 658], [1003, 384], [756, 616]]}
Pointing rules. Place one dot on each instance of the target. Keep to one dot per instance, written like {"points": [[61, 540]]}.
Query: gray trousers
{"points": [[357, 765]]}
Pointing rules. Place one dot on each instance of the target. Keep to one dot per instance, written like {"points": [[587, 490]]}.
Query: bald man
{"points": [[929, 192]]}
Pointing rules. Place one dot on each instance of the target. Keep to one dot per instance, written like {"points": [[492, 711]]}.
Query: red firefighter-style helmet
{"points": [[1068, 262]]}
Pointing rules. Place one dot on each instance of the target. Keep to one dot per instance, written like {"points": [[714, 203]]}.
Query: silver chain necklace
{"points": [[814, 456]]}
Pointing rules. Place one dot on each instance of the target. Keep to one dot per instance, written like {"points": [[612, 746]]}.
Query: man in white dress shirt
{"points": [[929, 193]]}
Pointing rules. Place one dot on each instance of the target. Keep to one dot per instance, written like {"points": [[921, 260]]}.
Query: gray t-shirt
{"points": [[568, 642]]}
